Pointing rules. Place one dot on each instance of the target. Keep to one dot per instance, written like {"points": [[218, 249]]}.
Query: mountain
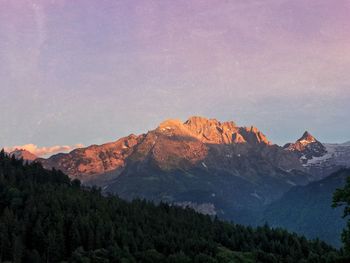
{"points": [[94, 161], [46, 217], [307, 147], [337, 157], [320, 159], [23, 154], [307, 209], [229, 170]]}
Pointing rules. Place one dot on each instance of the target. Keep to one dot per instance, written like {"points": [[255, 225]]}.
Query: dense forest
{"points": [[341, 198], [46, 217]]}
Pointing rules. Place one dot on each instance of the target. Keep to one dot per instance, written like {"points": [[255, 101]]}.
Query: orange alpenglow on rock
{"points": [[302, 143], [173, 144], [211, 130], [23, 154]]}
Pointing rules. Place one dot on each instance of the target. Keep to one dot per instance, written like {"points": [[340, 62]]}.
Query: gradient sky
{"points": [[91, 71]]}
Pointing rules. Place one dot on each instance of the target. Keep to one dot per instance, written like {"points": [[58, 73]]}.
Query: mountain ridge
{"points": [[217, 168], [218, 165], [196, 131]]}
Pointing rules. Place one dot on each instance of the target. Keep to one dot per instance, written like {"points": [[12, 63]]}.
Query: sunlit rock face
{"points": [[88, 163], [23, 154], [172, 145], [211, 130], [217, 166]]}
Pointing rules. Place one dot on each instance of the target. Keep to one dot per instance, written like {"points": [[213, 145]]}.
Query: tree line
{"points": [[47, 217]]}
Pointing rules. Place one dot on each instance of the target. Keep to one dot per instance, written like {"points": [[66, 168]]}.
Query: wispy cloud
{"points": [[44, 151]]}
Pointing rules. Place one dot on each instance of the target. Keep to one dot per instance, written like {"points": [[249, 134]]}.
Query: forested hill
{"points": [[308, 209], [46, 217]]}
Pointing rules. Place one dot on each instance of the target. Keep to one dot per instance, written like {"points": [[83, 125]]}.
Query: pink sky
{"points": [[92, 71]]}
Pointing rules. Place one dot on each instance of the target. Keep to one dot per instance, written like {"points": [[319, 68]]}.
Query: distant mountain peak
{"points": [[23, 154], [307, 138], [307, 147]]}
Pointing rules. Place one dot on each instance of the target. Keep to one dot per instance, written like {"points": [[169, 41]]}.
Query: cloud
{"points": [[44, 151]]}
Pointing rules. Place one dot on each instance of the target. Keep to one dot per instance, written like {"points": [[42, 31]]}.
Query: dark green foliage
{"points": [[342, 198], [307, 210], [46, 217]]}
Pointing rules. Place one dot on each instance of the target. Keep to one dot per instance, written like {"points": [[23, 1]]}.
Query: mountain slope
{"points": [[307, 210], [320, 159], [195, 132], [337, 157], [88, 163], [233, 170], [46, 217], [23, 154]]}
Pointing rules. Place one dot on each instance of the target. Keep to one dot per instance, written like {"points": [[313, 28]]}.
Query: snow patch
{"points": [[256, 195], [337, 154], [291, 183]]}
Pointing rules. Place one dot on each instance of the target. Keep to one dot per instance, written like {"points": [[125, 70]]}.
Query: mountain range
{"points": [[47, 217], [217, 168], [231, 170]]}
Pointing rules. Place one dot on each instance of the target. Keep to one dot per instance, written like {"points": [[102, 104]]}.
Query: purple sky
{"points": [[91, 71]]}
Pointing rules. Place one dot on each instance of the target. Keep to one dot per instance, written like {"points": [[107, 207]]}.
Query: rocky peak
{"points": [[211, 130], [173, 144], [253, 136], [307, 138], [303, 142], [307, 147], [170, 123], [23, 154], [172, 127], [200, 122]]}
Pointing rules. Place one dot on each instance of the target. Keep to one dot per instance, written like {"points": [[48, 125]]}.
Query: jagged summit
{"points": [[173, 143], [170, 123], [302, 142], [253, 136], [307, 138], [307, 147], [198, 120], [212, 131]]}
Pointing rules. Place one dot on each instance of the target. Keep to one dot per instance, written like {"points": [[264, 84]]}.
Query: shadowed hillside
{"points": [[308, 209], [46, 217]]}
